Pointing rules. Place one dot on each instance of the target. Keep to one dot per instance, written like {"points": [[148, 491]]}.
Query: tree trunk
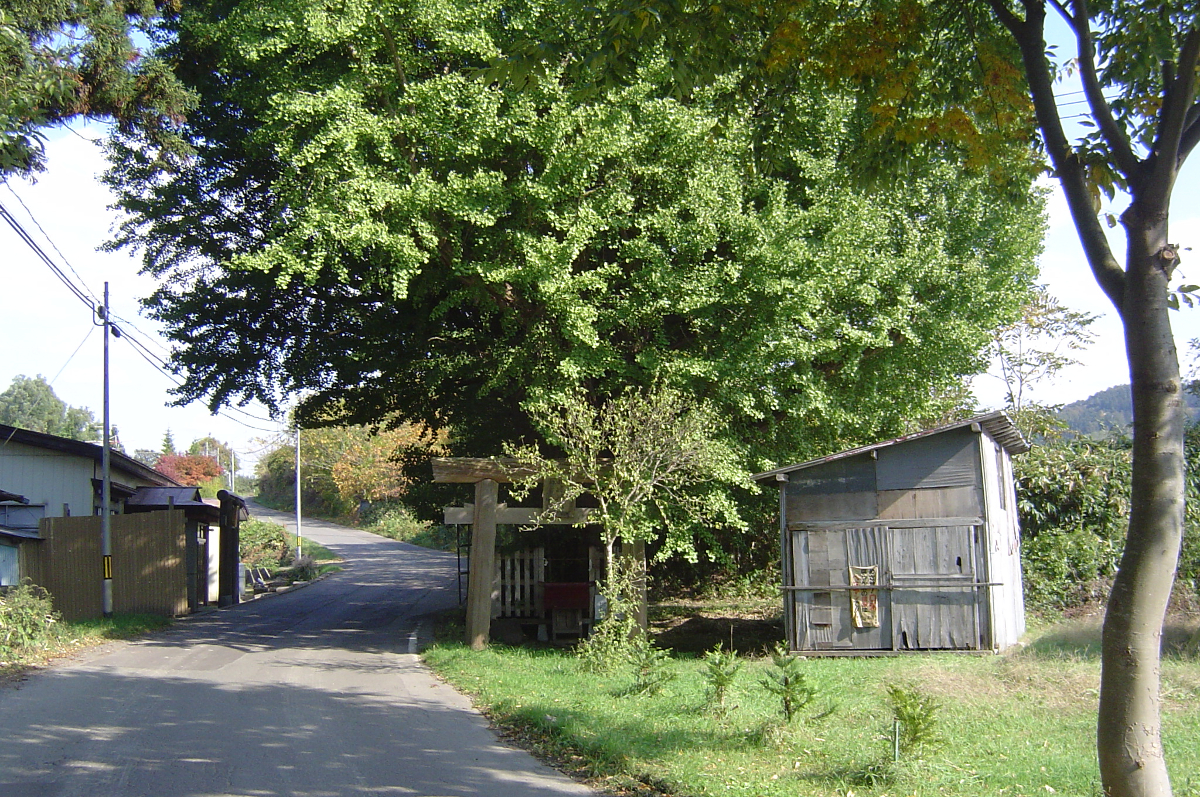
{"points": [[1128, 734]]}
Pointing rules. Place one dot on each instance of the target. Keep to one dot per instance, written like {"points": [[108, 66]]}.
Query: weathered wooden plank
{"points": [[517, 516], [471, 470], [930, 503], [894, 523], [837, 506]]}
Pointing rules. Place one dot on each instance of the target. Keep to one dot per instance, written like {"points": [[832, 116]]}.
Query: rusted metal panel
{"points": [[852, 475], [950, 459], [944, 618], [837, 506], [942, 502]]}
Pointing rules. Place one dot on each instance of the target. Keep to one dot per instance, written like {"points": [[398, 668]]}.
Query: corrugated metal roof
{"points": [[25, 534], [997, 424], [164, 496]]}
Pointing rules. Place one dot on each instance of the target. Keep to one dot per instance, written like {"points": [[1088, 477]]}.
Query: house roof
{"points": [[5, 495], [146, 499], [166, 496], [997, 424], [24, 534], [80, 449]]}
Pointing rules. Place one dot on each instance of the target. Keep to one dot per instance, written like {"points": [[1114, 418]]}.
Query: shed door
{"points": [[9, 570], [840, 618], [934, 605]]}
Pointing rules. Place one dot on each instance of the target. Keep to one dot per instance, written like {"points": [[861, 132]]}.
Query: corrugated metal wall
{"points": [[148, 564]]}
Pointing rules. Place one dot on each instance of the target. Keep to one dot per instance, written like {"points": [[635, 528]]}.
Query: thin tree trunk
{"points": [[1129, 730]]}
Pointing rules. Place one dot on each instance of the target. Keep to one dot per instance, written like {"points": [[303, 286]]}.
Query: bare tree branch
{"points": [[1006, 17], [1191, 136], [1114, 136]]}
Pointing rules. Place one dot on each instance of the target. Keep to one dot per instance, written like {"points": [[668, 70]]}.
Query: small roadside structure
{"points": [[549, 579], [905, 545]]}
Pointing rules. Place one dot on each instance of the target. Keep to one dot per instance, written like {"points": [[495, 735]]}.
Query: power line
{"points": [[162, 368], [32, 244], [152, 338], [50, 240], [91, 329], [141, 348], [149, 359]]}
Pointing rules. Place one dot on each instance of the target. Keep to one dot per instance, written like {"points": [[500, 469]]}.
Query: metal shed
{"points": [[909, 544]]}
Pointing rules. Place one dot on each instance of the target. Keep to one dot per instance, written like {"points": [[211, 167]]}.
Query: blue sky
{"points": [[49, 332]]}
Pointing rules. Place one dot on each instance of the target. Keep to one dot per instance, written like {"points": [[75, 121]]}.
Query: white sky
{"points": [[42, 324]]}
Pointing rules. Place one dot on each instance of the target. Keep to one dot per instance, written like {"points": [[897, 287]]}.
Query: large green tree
{"points": [[30, 403], [978, 78], [367, 221], [67, 59]]}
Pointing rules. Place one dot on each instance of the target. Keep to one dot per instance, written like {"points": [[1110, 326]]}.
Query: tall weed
{"points": [[27, 619]]}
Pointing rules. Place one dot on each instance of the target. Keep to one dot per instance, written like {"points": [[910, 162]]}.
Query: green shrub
{"points": [[651, 668], [264, 544], [27, 619], [396, 521]]}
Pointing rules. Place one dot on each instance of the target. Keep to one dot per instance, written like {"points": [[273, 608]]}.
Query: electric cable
{"points": [[32, 244], [91, 329], [50, 240]]}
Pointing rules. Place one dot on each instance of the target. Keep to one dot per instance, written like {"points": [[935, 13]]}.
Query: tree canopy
{"points": [[62, 59], [978, 79], [30, 403], [367, 221]]}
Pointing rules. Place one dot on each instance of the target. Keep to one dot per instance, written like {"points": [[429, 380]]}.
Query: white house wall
{"points": [[55, 478], [51, 478]]}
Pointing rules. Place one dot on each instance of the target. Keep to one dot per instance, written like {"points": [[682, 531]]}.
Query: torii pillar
{"points": [[482, 564]]}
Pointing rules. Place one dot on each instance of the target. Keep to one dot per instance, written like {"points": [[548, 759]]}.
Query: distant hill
{"points": [[1110, 410]]}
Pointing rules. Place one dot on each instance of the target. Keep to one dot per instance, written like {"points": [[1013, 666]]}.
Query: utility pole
{"points": [[298, 533], [106, 483]]}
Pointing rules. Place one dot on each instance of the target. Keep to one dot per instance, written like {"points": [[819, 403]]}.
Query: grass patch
{"points": [[311, 548], [64, 639], [1017, 724]]}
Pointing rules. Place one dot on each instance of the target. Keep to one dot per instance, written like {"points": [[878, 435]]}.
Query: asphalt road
{"points": [[311, 692]]}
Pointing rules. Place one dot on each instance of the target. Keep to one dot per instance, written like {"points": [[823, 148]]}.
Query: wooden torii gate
{"points": [[484, 516]]}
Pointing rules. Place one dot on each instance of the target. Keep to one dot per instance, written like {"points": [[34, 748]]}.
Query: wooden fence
{"points": [[149, 573], [516, 584]]}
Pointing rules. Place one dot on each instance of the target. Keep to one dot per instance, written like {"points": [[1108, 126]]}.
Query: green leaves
{"points": [[63, 59], [367, 222]]}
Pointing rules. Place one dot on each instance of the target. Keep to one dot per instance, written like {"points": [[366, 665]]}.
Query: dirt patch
{"points": [[703, 632]]}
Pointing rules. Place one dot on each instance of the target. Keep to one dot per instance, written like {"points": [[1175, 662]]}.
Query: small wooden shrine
{"points": [[547, 576]]}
